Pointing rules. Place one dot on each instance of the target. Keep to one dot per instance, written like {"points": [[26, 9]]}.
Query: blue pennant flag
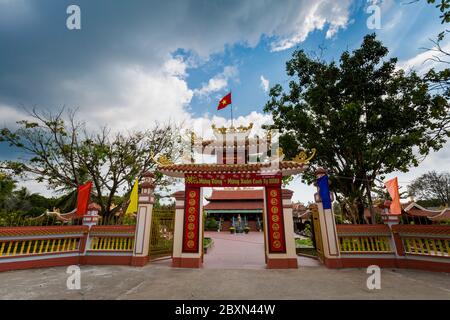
{"points": [[324, 191]]}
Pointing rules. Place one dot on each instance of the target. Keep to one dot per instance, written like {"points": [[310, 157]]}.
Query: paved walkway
{"points": [[240, 251], [160, 282]]}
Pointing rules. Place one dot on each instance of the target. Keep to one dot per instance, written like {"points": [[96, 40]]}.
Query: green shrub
{"points": [[36, 211], [211, 224]]}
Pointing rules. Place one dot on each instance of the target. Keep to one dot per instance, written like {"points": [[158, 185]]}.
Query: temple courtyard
{"points": [[233, 269]]}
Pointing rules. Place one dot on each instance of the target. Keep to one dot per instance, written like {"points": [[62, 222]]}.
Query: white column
{"points": [[327, 225], [143, 221], [179, 222], [90, 219]]}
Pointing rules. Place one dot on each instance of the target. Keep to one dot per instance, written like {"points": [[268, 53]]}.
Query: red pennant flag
{"points": [[392, 188], [84, 193], [224, 102]]}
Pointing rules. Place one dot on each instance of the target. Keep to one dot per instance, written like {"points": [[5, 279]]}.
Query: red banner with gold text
{"points": [[274, 208], [191, 220], [232, 180]]}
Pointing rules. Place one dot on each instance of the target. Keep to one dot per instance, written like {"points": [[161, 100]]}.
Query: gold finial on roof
{"points": [[162, 160], [302, 157], [279, 152], [232, 129]]}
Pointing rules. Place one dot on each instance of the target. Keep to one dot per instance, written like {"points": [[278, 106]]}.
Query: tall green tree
{"points": [[7, 185], [432, 186], [439, 77], [60, 151], [365, 117]]}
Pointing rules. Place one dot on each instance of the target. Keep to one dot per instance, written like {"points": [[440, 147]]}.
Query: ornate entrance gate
{"points": [[162, 231], [241, 162]]}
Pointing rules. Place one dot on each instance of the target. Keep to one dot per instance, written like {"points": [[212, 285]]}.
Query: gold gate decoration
{"points": [[161, 237], [317, 232]]}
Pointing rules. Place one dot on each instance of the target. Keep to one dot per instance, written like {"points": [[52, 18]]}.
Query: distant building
{"points": [[414, 213], [227, 205], [433, 215]]}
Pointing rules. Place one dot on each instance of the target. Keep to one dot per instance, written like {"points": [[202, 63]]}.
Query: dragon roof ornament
{"points": [[232, 129]]}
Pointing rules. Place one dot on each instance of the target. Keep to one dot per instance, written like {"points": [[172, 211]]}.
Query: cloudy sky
{"points": [[134, 62]]}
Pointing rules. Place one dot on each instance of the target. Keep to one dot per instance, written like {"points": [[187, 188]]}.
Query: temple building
{"points": [[231, 205]]}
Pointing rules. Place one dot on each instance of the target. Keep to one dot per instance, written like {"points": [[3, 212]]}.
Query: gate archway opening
{"points": [[161, 233]]}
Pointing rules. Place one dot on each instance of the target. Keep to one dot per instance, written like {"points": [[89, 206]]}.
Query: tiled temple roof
{"points": [[235, 205], [416, 210], [236, 199], [237, 194], [285, 167]]}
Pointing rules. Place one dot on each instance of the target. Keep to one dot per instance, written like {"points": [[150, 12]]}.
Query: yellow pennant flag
{"points": [[133, 206]]}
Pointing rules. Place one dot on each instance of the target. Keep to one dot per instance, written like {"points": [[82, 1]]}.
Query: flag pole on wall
{"points": [[231, 105]]}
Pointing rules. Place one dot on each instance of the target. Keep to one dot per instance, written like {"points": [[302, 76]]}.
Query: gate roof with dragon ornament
{"points": [[240, 135], [286, 168]]}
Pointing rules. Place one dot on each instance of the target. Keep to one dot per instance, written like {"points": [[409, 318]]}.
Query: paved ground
{"points": [[160, 282], [240, 251], [251, 281]]}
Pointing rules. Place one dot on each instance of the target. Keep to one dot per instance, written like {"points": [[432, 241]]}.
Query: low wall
{"points": [[425, 247], [46, 246]]}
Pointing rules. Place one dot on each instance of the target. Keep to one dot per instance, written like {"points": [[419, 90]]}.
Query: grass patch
{"points": [[206, 242], [299, 243], [306, 251]]}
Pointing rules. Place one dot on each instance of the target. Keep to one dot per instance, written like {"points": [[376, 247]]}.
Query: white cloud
{"points": [[10, 115], [425, 60], [202, 125], [312, 17], [142, 96], [218, 82], [264, 84], [393, 22], [136, 82]]}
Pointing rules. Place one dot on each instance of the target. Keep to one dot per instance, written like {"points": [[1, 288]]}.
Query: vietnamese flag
{"points": [[84, 193], [392, 188], [224, 102]]}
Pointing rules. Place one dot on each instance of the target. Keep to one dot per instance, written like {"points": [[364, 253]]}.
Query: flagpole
{"points": [[231, 115], [231, 111]]}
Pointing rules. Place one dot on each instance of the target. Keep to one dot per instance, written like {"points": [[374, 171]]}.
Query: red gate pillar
{"points": [[279, 228], [143, 221], [188, 235]]}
